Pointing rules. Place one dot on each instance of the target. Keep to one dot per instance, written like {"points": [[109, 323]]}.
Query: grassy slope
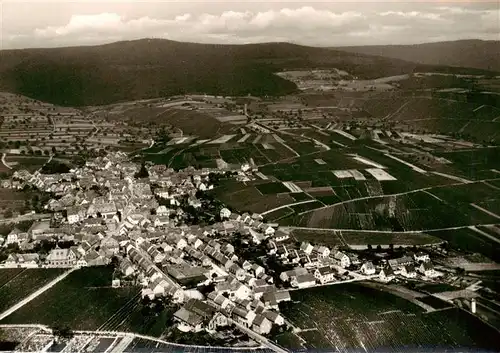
{"points": [[149, 68]]}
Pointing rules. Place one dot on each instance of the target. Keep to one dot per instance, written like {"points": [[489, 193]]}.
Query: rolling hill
{"points": [[477, 54], [146, 68]]}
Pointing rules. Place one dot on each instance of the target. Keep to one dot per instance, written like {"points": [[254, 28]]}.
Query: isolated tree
{"points": [[62, 333], [142, 173]]}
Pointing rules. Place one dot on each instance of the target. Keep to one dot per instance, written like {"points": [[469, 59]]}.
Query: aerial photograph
{"points": [[249, 176]]}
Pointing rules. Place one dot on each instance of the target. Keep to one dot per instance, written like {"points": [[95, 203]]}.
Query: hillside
{"points": [[129, 70], [464, 53]]}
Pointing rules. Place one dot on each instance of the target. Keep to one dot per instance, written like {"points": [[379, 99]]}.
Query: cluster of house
{"points": [[179, 260], [107, 213], [410, 265], [318, 264]]}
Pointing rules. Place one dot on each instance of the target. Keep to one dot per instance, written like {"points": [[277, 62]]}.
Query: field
{"points": [[248, 198], [325, 237], [272, 188], [470, 241], [414, 211], [84, 300], [396, 239], [29, 163], [354, 317], [22, 283]]}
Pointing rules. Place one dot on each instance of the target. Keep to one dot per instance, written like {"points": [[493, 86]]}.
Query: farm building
{"points": [[368, 268], [325, 274]]}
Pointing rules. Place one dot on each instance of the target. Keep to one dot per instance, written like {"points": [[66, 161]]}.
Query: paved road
{"points": [[5, 163], [398, 194], [485, 210], [484, 234], [36, 294], [386, 231], [284, 206]]}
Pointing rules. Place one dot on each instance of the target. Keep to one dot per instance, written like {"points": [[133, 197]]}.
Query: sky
{"points": [[59, 23]]}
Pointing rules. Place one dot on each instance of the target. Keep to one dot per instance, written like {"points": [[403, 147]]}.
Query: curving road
{"points": [[3, 161]]}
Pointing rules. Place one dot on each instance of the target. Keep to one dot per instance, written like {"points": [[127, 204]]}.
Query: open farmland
{"points": [[354, 317], [413, 211], [23, 284], [83, 300], [362, 239], [189, 121], [471, 241], [326, 237], [7, 274], [249, 198]]}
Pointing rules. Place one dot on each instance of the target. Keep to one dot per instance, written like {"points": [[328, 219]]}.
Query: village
{"points": [[113, 211]]}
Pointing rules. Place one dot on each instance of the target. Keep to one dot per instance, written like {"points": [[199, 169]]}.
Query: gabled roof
{"points": [[188, 317]]}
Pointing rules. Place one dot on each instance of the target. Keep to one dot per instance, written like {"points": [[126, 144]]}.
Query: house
{"points": [[92, 258], [73, 215], [193, 201], [421, 257], [243, 316], [237, 271], [322, 251], [110, 245], [400, 262], [218, 320], [126, 267], [162, 211], [261, 324], [272, 299], [368, 268], [387, 274], [162, 192], [190, 321], [427, 269], [22, 260], [289, 275], [274, 317], [408, 271], [258, 270], [306, 247], [161, 221], [304, 281], [280, 235], [61, 258], [225, 213], [16, 236], [324, 274], [342, 259]]}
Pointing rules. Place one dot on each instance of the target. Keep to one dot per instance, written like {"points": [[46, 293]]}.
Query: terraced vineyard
{"points": [[83, 300], [353, 317], [22, 283]]}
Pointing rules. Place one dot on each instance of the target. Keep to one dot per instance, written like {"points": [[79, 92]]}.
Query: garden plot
{"points": [[244, 138], [278, 138], [367, 161], [351, 173], [380, 174], [221, 140], [199, 142], [412, 166], [179, 140], [268, 146], [231, 118], [292, 187], [345, 134]]}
